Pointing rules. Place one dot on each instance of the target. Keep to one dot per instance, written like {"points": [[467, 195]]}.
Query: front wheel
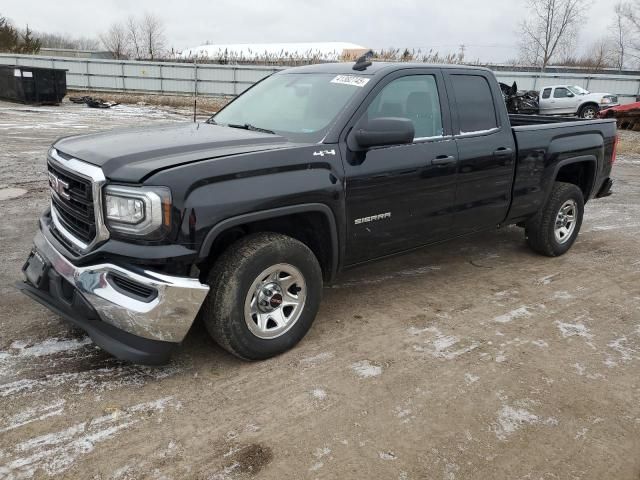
{"points": [[554, 229], [265, 293], [588, 112]]}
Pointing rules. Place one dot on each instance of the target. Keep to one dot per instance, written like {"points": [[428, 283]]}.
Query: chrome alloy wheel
{"points": [[566, 221], [275, 301]]}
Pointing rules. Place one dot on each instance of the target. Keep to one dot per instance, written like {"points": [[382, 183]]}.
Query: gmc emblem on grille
{"points": [[59, 186]]}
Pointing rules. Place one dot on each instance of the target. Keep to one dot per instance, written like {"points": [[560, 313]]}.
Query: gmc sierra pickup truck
{"points": [[240, 220]]}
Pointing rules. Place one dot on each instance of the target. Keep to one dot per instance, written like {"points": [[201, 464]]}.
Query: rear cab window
{"points": [[474, 104], [546, 93]]}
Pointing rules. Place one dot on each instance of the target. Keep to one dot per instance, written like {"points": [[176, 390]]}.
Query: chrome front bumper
{"points": [[167, 317]]}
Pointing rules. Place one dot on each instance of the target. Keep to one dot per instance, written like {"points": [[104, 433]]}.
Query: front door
{"points": [[563, 101], [400, 196]]}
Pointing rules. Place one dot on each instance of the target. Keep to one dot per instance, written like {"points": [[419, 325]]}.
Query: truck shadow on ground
{"points": [[485, 251]]}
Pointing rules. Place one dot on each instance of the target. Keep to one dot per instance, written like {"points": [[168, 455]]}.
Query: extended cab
{"points": [[241, 219], [574, 100]]}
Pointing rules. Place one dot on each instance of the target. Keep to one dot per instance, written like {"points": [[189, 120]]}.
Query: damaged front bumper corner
{"points": [[135, 315]]}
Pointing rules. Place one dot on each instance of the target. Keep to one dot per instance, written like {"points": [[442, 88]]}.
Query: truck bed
{"points": [[545, 144]]}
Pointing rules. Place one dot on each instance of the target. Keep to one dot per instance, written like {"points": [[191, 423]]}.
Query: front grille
{"points": [[75, 213], [135, 289]]}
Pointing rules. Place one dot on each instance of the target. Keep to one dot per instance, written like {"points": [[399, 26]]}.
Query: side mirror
{"points": [[570, 94], [379, 132]]}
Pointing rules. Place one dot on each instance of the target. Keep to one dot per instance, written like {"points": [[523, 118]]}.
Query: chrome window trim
{"points": [[433, 138], [96, 176], [478, 133]]}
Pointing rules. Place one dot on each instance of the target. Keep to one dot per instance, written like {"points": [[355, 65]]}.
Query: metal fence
{"points": [[148, 77], [215, 80]]}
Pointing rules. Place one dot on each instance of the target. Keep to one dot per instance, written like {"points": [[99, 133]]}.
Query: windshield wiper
{"points": [[248, 126]]}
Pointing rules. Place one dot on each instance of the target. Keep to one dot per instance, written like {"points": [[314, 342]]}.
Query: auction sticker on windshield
{"points": [[351, 80]]}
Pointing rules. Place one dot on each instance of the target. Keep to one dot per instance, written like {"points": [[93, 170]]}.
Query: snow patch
{"points": [[365, 369], [54, 453], [546, 280], [440, 345], [387, 455], [511, 419], [96, 380], [21, 350], [573, 330], [318, 394], [562, 295], [33, 414], [469, 378], [322, 452], [626, 352], [521, 312], [47, 347]]}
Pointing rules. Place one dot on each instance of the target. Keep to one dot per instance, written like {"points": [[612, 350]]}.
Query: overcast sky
{"points": [[488, 28]]}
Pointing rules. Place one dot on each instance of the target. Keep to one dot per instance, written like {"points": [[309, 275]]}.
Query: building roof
{"points": [[247, 51]]}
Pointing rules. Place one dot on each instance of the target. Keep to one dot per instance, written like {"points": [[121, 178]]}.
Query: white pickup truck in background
{"points": [[574, 100]]}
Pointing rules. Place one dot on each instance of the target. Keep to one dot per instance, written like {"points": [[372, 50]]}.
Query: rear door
{"points": [[486, 150], [400, 196]]}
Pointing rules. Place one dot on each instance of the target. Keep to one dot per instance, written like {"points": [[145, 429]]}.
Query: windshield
{"points": [[578, 90], [299, 106]]}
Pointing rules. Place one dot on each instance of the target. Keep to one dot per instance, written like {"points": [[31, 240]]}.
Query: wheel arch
{"points": [[313, 218], [586, 104], [581, 171]]}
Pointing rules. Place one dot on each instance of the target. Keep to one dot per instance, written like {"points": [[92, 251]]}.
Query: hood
{"points": [[596, 96], [129, 155]]}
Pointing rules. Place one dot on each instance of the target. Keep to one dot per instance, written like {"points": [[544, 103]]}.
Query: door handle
{"points": [[503, 152], [443, 160]]}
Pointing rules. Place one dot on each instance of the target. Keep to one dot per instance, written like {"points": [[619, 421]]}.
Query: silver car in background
{"points": [[574, 100]]}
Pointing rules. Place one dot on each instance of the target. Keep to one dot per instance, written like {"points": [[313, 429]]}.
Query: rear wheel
{"points": [[265, 293], [588, 112], [554, 229]]}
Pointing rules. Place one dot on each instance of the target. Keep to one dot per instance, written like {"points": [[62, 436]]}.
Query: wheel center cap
{"points": [[269, 297], [276, 300]]}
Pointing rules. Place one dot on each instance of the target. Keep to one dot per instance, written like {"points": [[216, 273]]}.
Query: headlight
{"points": [[137, 211], [606, 100]]}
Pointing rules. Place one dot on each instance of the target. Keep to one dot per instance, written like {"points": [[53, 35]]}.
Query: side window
{"points": [[414, 97], [561, 92], [546, 93], [476, 110]]}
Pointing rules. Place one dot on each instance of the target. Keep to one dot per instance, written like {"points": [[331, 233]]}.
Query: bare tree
{"points": [[152, 35], [134, 37], [619, 35], [552, 25], [116, 41], [630, 12]]}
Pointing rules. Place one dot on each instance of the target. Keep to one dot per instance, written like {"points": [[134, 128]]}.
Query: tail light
{"points": [[615, 148]]}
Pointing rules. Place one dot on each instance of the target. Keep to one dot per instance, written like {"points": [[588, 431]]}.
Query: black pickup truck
{"points": [[241, 219]]}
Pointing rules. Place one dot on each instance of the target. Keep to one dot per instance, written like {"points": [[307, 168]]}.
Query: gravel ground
{"points": [[475, 359]]}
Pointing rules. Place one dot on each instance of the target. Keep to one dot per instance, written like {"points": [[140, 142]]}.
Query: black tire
{"points": [[231, 279], [540, 230], [589, 111]]}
